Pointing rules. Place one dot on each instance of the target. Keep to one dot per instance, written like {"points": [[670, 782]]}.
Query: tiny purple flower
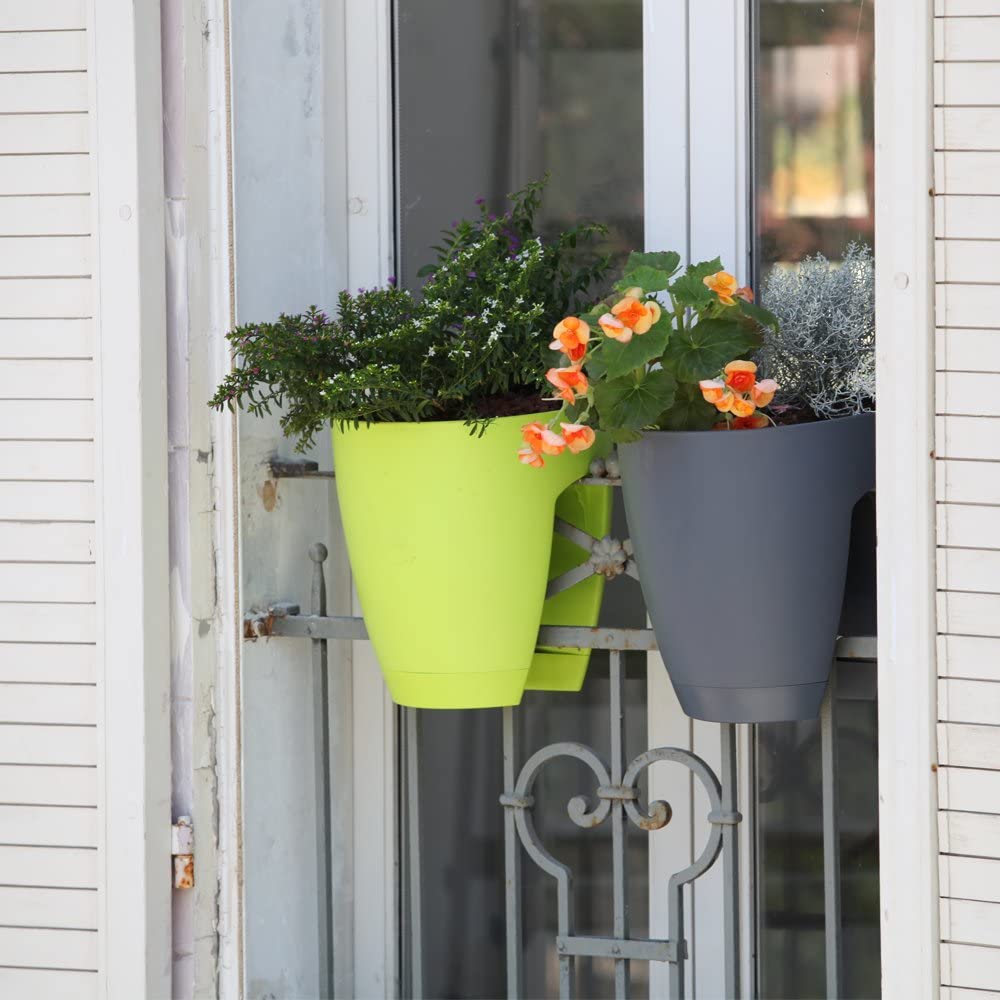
{"points": [[472, 274], [392, 280], [480, 200]]}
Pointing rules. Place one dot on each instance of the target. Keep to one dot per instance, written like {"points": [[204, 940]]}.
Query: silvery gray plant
{"points": [[823, 354]]}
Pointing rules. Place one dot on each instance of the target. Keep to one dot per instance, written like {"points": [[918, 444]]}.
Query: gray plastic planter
{"points": [[742, 539]]}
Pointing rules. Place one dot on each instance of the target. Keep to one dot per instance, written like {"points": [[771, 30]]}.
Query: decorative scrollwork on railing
{"points": [[587, 816], [578, 807], [618, 799]]}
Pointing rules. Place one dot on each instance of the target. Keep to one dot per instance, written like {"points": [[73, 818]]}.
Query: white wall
{"points": [[202, 549], [48, 581], [967, 182]]}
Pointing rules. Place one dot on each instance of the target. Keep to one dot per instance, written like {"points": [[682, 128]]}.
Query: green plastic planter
{"points": [[588, 508], [450, 539]]}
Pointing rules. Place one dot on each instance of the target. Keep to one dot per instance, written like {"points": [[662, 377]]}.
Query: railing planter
{"points": [[742, 542], [565, 669], [450, 540]]}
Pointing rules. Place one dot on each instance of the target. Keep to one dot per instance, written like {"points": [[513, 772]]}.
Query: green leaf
{"points": [[705, 349], [690, 412], [622, 436], [649, 279], [616, 359], [691, 292], [758, 314], [633, 402], [704, 268], [663, 260], [571, 412]]}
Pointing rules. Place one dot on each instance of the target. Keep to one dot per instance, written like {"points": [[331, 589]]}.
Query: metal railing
{"points": [[616, 796]]}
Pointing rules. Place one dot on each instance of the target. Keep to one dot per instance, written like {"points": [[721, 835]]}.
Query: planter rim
{"points": [[346, 426], [786, 428]]}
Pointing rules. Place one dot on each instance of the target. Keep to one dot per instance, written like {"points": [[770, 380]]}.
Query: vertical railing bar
{"points": [[512, 862], [318, 554], [566, 923], [676, 928], [831, 838], [411, 718], [619, 828], [730, 862]]}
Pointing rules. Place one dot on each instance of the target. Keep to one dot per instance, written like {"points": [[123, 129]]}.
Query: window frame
{"points": [[685, 172]]}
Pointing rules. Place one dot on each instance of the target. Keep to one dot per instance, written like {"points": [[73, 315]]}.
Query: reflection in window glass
{"points": [[814, 193], [496, 93], [814, 128], [491, 94], [791, 952]]}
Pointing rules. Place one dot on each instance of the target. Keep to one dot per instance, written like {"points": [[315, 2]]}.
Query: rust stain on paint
{"points": [[184, 871], [268, 494]]}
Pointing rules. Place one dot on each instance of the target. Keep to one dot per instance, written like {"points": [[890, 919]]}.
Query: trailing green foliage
{"points": [[472, 345]]}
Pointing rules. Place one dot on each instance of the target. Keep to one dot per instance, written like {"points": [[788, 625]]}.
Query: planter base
{"points": [[565, 670], [755, 704], [496, 689]]}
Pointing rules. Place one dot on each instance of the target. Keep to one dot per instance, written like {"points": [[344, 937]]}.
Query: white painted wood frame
{"points": [[133, 635], [369, 179], [904, 278]]}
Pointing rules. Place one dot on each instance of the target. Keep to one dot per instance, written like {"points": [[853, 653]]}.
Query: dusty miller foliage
{"points": [[823, 354]]}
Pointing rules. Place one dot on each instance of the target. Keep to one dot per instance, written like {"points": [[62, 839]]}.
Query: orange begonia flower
{"points": [[531, 435], [552, 443], [713, 389], [528, 456], [725, 404], [579, 437], [763, 391], [742, 406], [570, 382], [724, 285], [637, 315], [745, 293], [740, 375], [615, 328], [571, 336]]}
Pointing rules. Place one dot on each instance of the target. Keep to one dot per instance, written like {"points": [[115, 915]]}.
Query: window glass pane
{"points": [[791, 951], [814, 128], [492, 94], [496, 93]]}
